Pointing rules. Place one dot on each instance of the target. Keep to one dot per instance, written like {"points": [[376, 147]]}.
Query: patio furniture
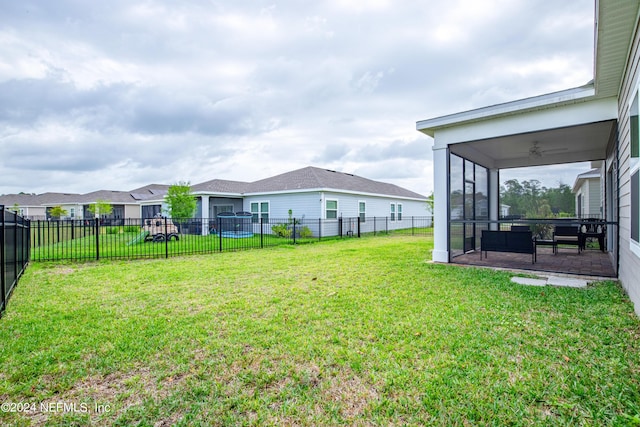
{"points": [[592, 228], [508, 241], [567, 235], [520, 228], [544, 242]]}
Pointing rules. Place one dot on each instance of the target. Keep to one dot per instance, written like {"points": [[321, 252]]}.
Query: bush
{"points": [[305, 232], [112, 230], [131, 228], [281, 230]]}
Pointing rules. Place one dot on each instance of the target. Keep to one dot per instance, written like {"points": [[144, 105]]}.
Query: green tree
{"points": [[180, 202], [100, 208], [430, 203], [58, 212], [531, 199], [561, 199]]}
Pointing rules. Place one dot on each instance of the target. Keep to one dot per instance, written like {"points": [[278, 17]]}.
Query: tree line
{"points": [[531, 199]]}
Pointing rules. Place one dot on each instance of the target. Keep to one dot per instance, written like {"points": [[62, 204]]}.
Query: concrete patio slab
{"points": [[528, 281], [566, 281], [551, 281]]}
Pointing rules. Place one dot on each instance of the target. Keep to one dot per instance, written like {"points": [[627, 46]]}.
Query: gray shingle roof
{"points": [[317, 178], [115, 197], [150, 192], [221, 186], [309, 178], [37, 199]]}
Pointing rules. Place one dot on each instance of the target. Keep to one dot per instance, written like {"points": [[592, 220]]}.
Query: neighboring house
{"points": [[37, 206], [310, 192], [597, 122], [588, 189], [326, 194]]}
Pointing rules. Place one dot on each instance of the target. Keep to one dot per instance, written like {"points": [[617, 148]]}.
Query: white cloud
{"points": [[118, 94]]}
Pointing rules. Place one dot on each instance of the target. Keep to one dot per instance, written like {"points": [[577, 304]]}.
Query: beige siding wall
{"points": [[629, 262], [594, 197], [132, 211]]}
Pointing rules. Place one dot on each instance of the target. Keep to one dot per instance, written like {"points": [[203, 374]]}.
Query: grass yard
{"points": [[351, 332]]}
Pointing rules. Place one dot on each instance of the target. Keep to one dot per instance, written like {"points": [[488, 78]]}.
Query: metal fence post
{"points": [[166, 239], [358, 225], [3, 272], [319, 229], [27, 242], [340, 226], [261, 234], [15, 247], [220, 232], [97, 239], [294, 231], [374, 225]]}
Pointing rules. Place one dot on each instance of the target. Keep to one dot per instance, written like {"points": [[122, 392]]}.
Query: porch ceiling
{"points": [[579, 143]]}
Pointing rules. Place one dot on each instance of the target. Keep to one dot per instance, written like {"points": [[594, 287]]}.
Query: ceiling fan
{"points": [[535, 151]]}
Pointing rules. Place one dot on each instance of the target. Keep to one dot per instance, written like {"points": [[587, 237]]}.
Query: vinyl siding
{"points": [[629, 262], [305, 205], [312, 205]]}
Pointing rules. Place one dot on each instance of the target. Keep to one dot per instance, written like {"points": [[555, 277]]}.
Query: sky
{"points": [[119, 94]]}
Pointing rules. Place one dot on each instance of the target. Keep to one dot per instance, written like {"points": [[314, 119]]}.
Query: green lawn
{"points": [[347, 332]]}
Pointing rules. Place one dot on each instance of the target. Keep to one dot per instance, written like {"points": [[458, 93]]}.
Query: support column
{"points": [[204, 214], [494, 197], [440, 206]]}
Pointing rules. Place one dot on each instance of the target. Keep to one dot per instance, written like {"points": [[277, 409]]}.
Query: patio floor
{"points": [[590, 262]]}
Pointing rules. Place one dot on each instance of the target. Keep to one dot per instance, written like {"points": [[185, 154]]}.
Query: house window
{"points": [[331, 209], [72, 212], [634, 133], [260, 211], [399, 211], [362, 211], [393, 212]]}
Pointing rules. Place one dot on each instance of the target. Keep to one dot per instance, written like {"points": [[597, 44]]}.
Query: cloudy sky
{"points": [[119, 94]]}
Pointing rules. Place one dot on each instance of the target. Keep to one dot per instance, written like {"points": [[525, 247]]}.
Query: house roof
{"points": [[114, 197], [593, 173], [221, 186], [325, 179], [309, 178], [36, 199]]}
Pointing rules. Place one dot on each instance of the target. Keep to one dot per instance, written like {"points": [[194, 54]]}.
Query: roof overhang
{"points": [[568, 126]]}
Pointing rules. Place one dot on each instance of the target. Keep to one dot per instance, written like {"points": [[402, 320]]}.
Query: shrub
{"points": [[131, 228], [305, 232], [112, 230], [281, 230]]}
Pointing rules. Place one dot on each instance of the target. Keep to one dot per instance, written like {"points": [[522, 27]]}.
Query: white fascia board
{"points": [[430, 126], [333, 190], [215, 194], [555, 116], [151, 202]]}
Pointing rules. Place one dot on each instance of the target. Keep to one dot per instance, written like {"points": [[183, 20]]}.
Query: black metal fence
{"points": [[14, 252], [160, 237]]}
